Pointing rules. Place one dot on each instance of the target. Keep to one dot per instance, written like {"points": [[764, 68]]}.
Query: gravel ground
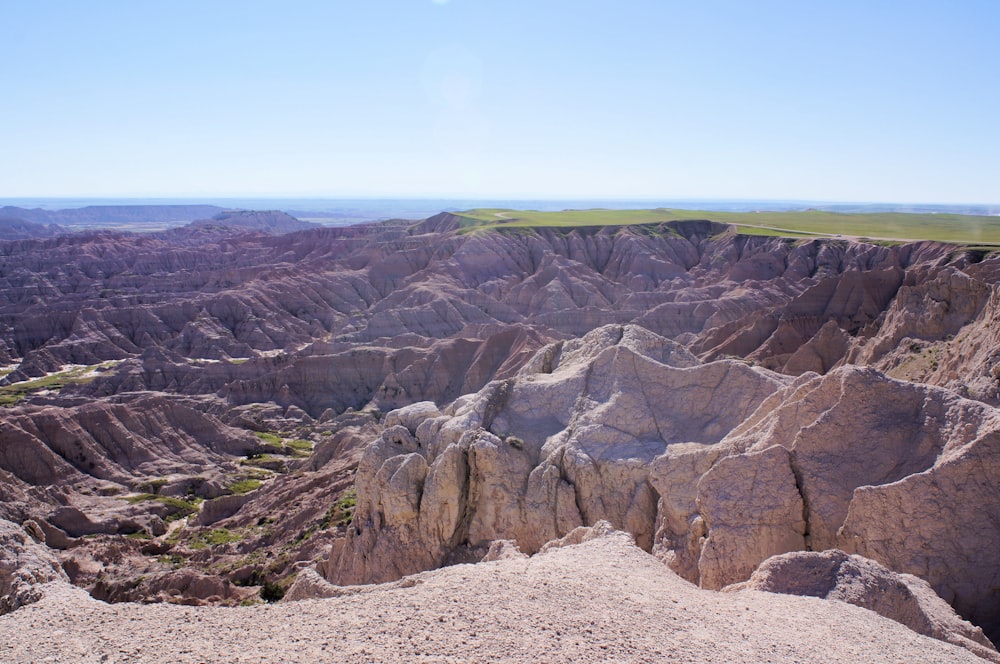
{"points": [[602, 601]]}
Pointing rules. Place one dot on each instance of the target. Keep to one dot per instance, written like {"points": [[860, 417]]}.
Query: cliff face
{"points": [[722, 398]]}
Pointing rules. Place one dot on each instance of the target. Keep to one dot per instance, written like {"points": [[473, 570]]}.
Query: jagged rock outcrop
{"points": [[751, 509], [835, 575], [25, 566], [565, 443], [713, 467], [95, 297], [887, 469]]}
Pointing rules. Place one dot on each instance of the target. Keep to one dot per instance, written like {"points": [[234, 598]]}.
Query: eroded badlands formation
{"points": [[206, 414]]}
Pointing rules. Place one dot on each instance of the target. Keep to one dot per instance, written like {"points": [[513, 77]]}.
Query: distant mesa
{"points": [[268, 221], [93, 216], [15, 228], [26, 224]]}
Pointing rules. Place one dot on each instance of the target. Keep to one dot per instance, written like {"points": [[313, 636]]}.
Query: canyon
{"points": [[249, 407]]}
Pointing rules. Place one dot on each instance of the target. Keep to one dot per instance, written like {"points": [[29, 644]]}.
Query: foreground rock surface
{"points": [[835, 575], [603, 600]]}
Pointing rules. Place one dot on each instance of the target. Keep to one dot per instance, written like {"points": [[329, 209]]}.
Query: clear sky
{"points": [[876, 100]]}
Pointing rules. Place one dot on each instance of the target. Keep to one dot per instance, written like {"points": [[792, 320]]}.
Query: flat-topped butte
{"points": [[881, 226]]}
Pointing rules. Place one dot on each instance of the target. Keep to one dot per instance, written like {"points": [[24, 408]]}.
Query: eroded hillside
{"points": [[196, 415]]}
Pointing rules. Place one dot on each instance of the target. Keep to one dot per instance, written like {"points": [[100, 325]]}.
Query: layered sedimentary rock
{"points": [[116, 443], [97, 297]]}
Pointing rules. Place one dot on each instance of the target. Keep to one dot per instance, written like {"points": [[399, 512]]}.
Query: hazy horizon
{"points": [[330, 203]]}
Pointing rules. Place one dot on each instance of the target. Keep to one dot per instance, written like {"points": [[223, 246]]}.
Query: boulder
{"points": [[836, 575]]}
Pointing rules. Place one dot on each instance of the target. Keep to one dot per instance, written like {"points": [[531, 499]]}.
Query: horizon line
{"points": [[466, 198]]}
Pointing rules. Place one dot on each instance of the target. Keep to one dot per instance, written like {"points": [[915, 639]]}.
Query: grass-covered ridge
{"points": [[952, 228]]}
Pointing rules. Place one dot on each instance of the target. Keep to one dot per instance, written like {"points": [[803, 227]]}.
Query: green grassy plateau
{"points": [[885, 226]]}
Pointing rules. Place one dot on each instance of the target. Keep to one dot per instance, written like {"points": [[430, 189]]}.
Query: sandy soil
{"points": [[601, 601]]}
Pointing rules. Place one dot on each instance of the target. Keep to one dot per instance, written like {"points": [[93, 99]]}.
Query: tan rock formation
{"points": [[713, 467], [904, 598], [565, 443], [25, 566], [752, 510]]}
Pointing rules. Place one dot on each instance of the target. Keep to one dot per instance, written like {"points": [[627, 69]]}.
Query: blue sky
{"points": [[834, 101]]}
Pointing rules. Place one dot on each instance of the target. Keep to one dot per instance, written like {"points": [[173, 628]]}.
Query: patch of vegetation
{"points": [[174, 537], [214, 537], [300, 445], [252, 473], [173, 560], [139, 535], [179, 508], [341, 513], [268, 437], [153, 486], [246, 485], [272, 592], [265, 461]]}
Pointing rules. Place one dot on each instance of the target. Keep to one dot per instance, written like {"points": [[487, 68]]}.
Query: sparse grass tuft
{"points": [[179, 508], [268, 437], [300, 445], [214, 537], [246, 485], [341, 513]]}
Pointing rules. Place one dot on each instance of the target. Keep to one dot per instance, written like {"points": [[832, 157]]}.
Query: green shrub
{"points": [[272, 592]]}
